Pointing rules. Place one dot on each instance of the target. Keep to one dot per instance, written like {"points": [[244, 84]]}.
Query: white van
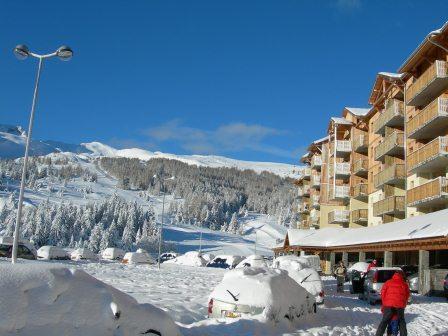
{"points": [[49, 252], [314, 261]]}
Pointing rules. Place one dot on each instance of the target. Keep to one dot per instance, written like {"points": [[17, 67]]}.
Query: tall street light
{"points": [[22, 52], [163, 215]]}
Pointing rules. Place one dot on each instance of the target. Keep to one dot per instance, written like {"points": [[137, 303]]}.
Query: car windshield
{"points": [[384, 275]]}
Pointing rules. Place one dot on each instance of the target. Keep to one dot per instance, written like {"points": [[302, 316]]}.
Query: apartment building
{"points": [[426, 97]]}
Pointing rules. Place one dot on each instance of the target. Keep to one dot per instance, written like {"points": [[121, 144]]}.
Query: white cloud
{"points": [[234, 137]]}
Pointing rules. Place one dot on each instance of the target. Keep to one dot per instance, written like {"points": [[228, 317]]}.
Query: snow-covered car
{"points": [[225, 261], [192, 258], [167, 256], [25, 249], [374, 281], [137, 258], [263, 291], [314, 261], [83, 254], [306, 276], [208, 256], [49, 299], [49, 252], [359, 266], [252, 261], [112, 253]]}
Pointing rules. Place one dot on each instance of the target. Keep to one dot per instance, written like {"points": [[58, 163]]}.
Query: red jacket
{"points": [[395, 292], [371, 265]]}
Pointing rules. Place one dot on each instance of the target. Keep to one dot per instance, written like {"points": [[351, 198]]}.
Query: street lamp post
{"points": [[163, 215], [22, 52]]}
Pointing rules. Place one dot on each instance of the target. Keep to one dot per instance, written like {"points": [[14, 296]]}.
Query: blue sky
{"points": [[254, 80]]}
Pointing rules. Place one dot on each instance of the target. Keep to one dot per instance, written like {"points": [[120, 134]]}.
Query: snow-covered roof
{"points": [[341, 121], [358, 111], [391, 75], [425, 226], [319, 141]]}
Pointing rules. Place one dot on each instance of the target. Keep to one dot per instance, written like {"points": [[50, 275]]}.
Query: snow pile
{"points": [[252, 261], [137, 258], [271, 289], [44, 299], [360, 266], [112, 253], [83, 253], [192, 258]]}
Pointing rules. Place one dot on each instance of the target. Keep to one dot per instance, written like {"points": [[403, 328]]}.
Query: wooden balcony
{"points": [[429, 85], [343, 148], [429, 122], [361, 167], [338, 216], [392, 145], [361, 143], [360, 191], [314, 218], [360, 216], [315, 201], [316, 162], [389, 206], [432, 157], [393, 115], [340, 193], [315, 181], [306, 173], [431, 194], [342, 170], [303, 191], [392, 175]]}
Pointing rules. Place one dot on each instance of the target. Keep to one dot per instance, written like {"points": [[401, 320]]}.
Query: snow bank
{"points": [[50, 300], [252, 261], [271, 289], [192, 258], [137, 258]]}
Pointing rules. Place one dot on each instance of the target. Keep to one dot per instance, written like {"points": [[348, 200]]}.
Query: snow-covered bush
{"points": [[192, 258], [44, 299]]}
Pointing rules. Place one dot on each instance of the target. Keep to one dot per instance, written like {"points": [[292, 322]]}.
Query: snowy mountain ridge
{"points": [[13, 138]]}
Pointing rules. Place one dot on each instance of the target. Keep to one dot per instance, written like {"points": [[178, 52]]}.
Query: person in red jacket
{"points": [[394, 296], [373, 264]]}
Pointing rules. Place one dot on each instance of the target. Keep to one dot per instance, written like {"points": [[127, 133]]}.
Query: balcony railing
{"points": [[393, 115], [432, 193], [391, 175], [306, 173], [360, 191], [361, 143], [389, 205], [429, 121], [343, 147], [303, 191], [315, 180], [316, 161], [360, 216], [392, 145], [341, 192], [361, 167], [432, 157], [342, 169], [339, 216], [429, 85]]}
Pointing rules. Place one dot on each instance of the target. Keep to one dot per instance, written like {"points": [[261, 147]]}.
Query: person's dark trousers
{"points": [[387, 315]]}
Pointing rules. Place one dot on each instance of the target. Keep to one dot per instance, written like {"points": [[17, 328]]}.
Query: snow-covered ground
{"points": [[183, 292]]}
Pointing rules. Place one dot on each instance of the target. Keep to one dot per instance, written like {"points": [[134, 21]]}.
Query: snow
{"points": [[319, 141], [291, 262], [360, 266], [192, 258], [52, 252], [45, 299], [137, 258], [83, 253], [112, 253], [341, 121], [270, 289], [391, 75], [357, 111], [252, 261], [417, 227]]}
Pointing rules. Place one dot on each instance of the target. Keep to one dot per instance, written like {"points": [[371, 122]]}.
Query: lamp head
{"points": [[64, 53], [21, 51]]}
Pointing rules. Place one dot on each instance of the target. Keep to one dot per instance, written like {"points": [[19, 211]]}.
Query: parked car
{"points": [[167, 256], [413, 282], [137, 258], [49, 252], [314, 261], [445, 286], [25, 250], [83, 254], [113, 253], [374, 281], [360, 266], [260, 290], [191, 258], [252, 261], [286, 261], [225, 261], [409, 270]]}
